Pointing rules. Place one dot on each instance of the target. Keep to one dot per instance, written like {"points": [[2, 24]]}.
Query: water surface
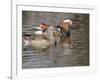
{"points": [[67, 52]]}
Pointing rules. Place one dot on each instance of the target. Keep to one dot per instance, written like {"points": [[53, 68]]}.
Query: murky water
{"points": [[66, 52]]}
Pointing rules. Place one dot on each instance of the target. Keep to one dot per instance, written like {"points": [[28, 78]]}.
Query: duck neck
{"points": [[43, 30]]}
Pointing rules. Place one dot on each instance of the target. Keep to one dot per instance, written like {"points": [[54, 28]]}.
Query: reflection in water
{"points": [[66, 44], [60, 51]]}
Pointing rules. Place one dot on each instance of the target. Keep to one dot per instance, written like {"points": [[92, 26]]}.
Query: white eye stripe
{"points": [[67, 21]]}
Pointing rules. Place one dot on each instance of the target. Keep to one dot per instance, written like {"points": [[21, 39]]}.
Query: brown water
{"points": [[68, 52]]}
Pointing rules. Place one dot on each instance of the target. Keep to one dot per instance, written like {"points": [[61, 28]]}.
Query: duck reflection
{"points": [[65, 42]]}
